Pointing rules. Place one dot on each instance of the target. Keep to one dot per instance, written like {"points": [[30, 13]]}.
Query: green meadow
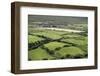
{"points": [[46, 44]]}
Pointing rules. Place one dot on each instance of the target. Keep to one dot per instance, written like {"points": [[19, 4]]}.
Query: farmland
{"points": [[47, 44], [57, 37]]}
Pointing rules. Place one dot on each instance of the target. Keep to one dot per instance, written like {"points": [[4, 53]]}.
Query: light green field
{"points": [[33, 39], [74, 41], [49, 34], [39, 54], [72, 51], [52, 44]]}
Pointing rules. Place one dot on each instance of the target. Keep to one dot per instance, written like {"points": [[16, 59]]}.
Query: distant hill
{"points": [[58, 19], [67, 22]]}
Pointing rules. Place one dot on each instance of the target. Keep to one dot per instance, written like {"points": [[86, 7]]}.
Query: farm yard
{"points": [[46, 44]]}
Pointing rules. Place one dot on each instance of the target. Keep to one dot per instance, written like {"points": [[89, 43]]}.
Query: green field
{"points": [[45, 44]]}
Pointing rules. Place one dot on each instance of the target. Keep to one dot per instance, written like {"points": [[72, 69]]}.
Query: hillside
{"points": [[66, 22]]}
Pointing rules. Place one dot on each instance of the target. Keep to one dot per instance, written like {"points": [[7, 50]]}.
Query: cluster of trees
{"points": [[37, 44]]}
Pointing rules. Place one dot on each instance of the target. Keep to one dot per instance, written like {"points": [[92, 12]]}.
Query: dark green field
{"points": [[45, 44]]}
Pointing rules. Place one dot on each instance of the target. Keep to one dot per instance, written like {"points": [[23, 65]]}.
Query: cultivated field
{"points": [[51, 44]]}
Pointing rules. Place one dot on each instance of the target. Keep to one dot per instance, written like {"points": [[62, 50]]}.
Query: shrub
{"points": [[58, 48], [45, 59], [66, 45], [78, 56], [69, 56], [62, 58], [86, 55], [51, 52]]}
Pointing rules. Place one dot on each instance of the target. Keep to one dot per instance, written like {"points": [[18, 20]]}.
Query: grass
{"points": [[73, 51], [38, 54], [72, 36], [75, 41], [54, 45], [49, 33], [61, 45], [32, 39]]}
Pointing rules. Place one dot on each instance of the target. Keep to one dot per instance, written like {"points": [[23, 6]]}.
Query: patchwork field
{"points": [[46, 44]]}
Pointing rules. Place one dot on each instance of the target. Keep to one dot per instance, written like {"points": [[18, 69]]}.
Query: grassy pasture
{"points": [[72, 51], [39, 54], [32, 39], [53, 44]]}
